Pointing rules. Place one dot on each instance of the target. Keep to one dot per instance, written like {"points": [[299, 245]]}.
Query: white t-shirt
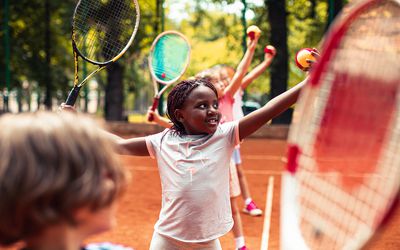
{"points": [[237, 105], [194, 172]]}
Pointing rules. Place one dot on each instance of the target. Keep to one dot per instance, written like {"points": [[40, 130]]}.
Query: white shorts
{"points": [[236, 156], [161, 242], [234, 186]]}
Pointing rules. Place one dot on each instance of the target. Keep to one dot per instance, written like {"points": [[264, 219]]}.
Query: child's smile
{"points": [[200, 113]]}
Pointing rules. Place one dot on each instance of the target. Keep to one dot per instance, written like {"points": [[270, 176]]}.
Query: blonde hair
{"points": [[214, 74], [51, 165]]}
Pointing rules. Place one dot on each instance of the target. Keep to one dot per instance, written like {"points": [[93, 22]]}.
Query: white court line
{"points": [[267, 216]]}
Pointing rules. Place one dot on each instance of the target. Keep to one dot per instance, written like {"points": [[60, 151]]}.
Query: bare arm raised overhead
{"points": [[259, 69], [242, 68], [250, 123]]}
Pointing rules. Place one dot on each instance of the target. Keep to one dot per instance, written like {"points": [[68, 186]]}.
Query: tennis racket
{"points": [[343, 169], [102, 32], [168, 59]]}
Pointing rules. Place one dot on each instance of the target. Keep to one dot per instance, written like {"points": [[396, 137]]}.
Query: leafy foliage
{"points": [[215, 35]]}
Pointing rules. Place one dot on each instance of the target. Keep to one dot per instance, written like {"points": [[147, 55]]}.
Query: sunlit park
{"points": [[37, 64], [200, 101]]}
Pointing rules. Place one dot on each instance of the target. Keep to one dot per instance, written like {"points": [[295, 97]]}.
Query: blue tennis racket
{"points": [[168, 60]]}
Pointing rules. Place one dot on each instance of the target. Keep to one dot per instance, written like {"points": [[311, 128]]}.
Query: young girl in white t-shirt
{"points": [[193, 161]]}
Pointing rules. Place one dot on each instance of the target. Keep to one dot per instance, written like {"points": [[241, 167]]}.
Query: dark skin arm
{"points": [[133, 146], [250, 123]]}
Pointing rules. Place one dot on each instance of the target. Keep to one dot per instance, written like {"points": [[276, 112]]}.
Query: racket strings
{"points": [[103, 29], [349, 134], [169, 57], [372, 43]]}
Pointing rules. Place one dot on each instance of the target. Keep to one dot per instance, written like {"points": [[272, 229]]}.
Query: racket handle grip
{"points": [[72, 96], [153, 108]]}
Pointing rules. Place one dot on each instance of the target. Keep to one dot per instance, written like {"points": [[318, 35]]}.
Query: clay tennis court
{"points": [[262, 158]]}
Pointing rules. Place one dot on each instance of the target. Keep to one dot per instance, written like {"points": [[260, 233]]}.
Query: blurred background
{"points": [[37, 68]]}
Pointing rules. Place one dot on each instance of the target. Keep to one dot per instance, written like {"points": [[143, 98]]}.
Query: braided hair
{"points": [[178, 96]]}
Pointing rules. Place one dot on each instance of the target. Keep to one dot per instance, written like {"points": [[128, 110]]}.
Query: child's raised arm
{"points": [[259, 69], [250, 123], [242, 68]]}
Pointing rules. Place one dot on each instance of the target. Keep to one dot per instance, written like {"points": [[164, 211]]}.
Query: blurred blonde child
{"points": [[226, 74], [59, 181]]}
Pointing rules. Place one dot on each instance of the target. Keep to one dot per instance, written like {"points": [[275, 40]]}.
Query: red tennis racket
{"points": [[343, 170]]}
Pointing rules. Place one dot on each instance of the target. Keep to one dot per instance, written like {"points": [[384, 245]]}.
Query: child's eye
{"points": [[202, 106], [215, 105]]}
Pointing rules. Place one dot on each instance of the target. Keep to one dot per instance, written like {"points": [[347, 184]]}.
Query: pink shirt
{"points": [[226, 108]]}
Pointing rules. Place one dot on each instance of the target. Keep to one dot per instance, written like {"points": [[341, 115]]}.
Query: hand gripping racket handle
{"points": [[153, 108], [73, 94]]}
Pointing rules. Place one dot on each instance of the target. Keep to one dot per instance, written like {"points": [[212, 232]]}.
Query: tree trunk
{"points": [[313, 12], [47, 49], [280, 66], [113, 107], [334, 7]]}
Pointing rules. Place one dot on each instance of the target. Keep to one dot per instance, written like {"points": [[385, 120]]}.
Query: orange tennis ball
{"points": [[270, 49], [253, 31], [301, 58]]}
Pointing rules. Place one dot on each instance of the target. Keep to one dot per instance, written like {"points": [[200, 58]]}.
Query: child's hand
{"points": [[269, 50], [315, 53], [64, 107], [269, 53], [153, 114], [252, 43], [253, 31]]}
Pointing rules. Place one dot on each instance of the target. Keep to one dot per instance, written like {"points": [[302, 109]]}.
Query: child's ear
{"points": [[179, 115]]}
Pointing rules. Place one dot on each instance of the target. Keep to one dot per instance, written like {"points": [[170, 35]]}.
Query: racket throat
{"points": [[73, 95]]}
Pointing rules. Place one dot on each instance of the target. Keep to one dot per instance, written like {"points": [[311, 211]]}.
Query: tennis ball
{"points": [[270, 49], [253, 31], [301, 58]]}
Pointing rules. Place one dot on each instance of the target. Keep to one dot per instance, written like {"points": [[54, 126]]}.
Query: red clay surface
{"points": [[262, 158]]}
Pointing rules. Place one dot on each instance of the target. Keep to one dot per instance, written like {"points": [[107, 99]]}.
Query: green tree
{"points": [[33, 50]]}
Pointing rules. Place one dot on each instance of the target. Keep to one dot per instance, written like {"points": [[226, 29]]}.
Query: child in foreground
{"points": [[221, 77], [193, 158], [59, 181]]}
